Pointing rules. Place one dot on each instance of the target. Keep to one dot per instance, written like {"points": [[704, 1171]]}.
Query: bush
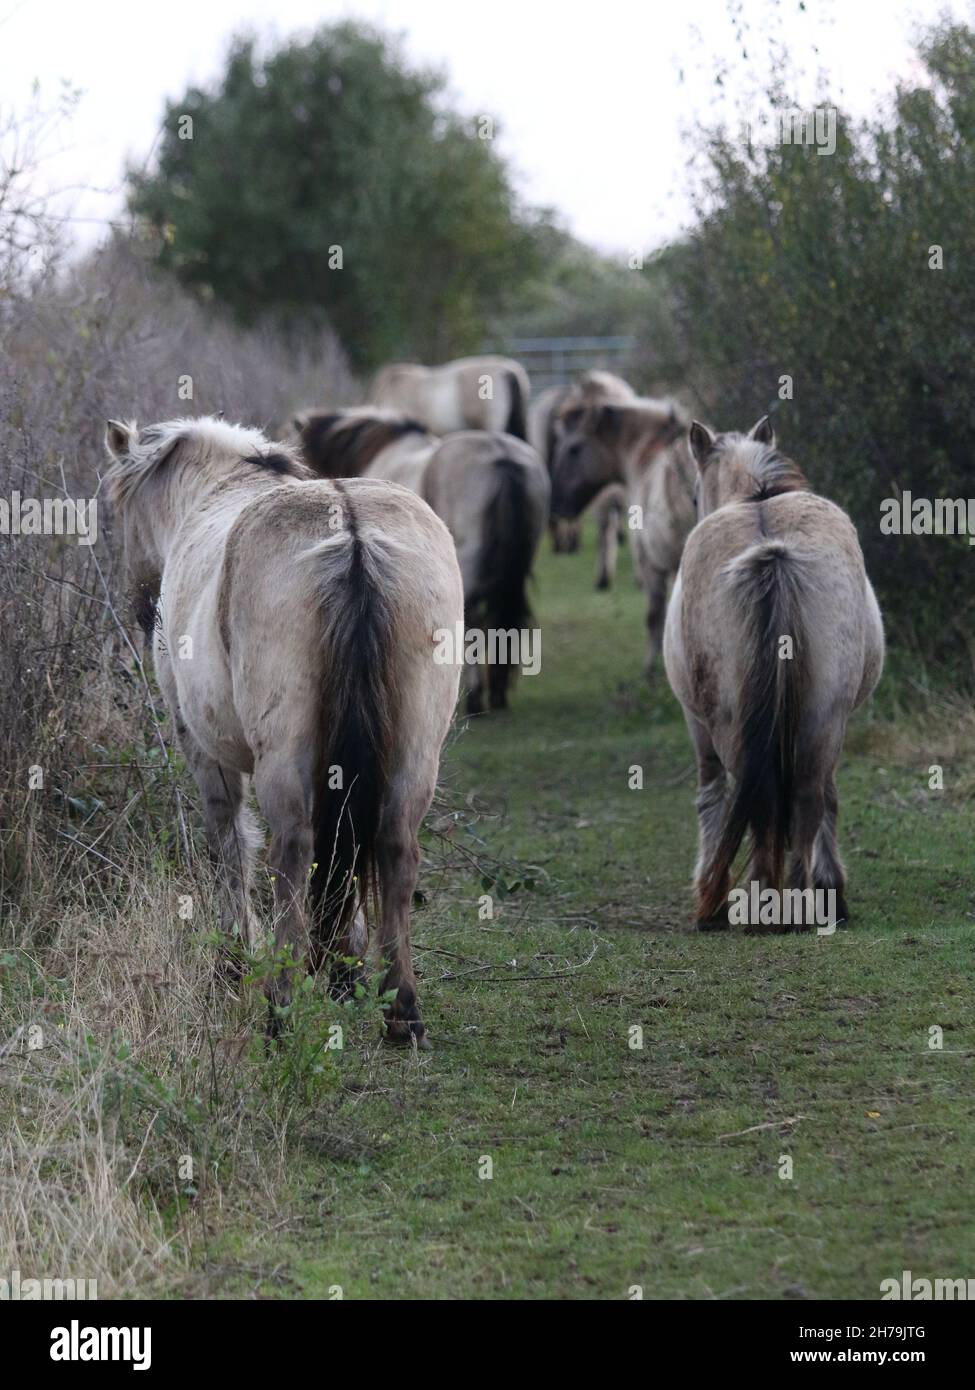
{"points": [[817, 268]]}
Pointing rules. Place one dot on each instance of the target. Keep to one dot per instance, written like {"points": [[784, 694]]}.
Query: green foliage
{"points": [[579, 291], [302, 1066], [817, 267], [336, 142]]}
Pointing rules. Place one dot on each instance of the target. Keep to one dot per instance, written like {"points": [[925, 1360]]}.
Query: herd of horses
{"points": [[294, 592]]}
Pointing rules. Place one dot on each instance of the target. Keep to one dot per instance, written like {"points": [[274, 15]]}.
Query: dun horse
{"points": [[557, 411], [490, 489], [773, 638], [293, 641], [640, 445], [471, 393]]}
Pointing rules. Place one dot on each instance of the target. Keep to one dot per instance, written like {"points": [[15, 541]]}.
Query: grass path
{"points": [[662, 1166]]}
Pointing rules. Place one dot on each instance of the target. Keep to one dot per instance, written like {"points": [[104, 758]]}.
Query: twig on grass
{"points": [[769, 1124]]}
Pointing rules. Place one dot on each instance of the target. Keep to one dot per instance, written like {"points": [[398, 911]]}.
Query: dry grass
{"points": [[931, 727], [140, 1111]]}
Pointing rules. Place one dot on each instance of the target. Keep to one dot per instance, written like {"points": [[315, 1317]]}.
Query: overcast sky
{"points": [[593, 97]]}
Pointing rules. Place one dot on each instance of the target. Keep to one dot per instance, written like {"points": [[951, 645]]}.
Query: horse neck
{"points": [[209, 498], [635, 457]]}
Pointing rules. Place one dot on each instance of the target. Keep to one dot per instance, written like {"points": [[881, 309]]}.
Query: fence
{"points": [[557, 361]]}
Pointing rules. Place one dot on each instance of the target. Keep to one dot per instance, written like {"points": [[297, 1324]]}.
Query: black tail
{"points": [[517, 423], [358, 705], [501, 593], [766, 581]]}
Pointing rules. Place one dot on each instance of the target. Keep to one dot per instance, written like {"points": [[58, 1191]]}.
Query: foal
{"points": [[293, 638], [773, 637]]}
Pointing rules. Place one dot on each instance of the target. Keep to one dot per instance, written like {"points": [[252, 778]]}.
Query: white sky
{"points": [[593, 95]]}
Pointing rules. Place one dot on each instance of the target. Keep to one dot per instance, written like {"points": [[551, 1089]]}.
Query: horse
{"points": [[640, 445], [557, 409], [470, 393], [490, 489], [293, 623], [773, 638]]}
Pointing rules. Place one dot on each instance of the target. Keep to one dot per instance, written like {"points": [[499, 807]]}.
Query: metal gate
{"points": [[557, 361]]}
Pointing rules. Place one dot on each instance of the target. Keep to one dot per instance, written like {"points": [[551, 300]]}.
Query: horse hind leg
{"points": [[284, 792], [233, 839], [398, 864], [498, 679], [808, 815], [346, 954], [473, 672], [828, 872], [655, 587], [711, 801]]}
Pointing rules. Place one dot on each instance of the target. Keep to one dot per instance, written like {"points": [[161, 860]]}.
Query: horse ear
{"points": [[701, 441], [118, 438], [762, 432]]}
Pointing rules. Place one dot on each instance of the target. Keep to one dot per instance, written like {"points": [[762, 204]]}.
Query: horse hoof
{"points": [[602, 582], [343, 982], [719, 923], [401, 1032], [273, 1029]]}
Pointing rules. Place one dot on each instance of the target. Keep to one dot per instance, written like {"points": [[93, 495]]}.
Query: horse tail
{"points": [[766, 582], [507, 549], [359, 703], [517, 422]]}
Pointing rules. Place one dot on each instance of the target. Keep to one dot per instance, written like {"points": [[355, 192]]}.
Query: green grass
{"points": [[615, 1167]]}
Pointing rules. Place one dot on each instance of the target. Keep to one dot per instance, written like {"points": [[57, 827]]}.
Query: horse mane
{"points": [[343, 443], [157, 444], [772, 473]]}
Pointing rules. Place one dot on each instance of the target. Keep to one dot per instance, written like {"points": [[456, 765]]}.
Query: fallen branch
{"points": [[770, 1124]]}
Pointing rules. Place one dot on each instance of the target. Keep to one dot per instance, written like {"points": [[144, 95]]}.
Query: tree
{"points": [[838, 292], [330, 178]]}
